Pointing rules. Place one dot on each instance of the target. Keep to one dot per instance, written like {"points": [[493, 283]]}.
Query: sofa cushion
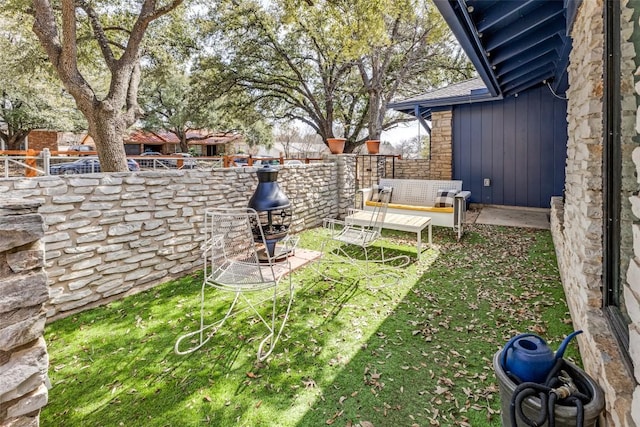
{"points": [[445, 198], [416, 191], [412, 207]]}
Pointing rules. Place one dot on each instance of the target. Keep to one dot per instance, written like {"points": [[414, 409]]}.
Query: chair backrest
{"points": [[380, 210], [231, 235]]}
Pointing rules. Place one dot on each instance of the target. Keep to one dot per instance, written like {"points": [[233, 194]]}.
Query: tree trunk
{"points": [[374, 105], [13, 141], [107, 131], [184, 146], [350, 145]]}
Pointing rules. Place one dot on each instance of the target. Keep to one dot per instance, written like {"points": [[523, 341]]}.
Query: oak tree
{"points": [[30, 95], [116, 31]]}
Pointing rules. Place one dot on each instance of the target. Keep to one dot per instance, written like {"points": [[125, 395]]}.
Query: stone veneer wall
{"points": [[630, 130], [409, 169], [577, 224], [110, 235], [346, 182], [23, 291], [370, 168], [441, 145]]}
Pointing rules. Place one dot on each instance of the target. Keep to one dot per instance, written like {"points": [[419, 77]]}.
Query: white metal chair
{"points": [[236, 260], [363, 236]]}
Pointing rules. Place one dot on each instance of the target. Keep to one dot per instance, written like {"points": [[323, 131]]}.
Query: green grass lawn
{"points": [[354, 352]]}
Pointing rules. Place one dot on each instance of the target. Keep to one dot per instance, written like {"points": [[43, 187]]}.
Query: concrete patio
{"points": [[509, 216]]}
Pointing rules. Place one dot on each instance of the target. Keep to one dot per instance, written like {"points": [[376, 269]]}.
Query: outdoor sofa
{"points": [[443, 201]]}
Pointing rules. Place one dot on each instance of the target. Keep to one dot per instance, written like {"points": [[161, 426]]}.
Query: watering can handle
{"points": [[503, 355], [565, 343]]}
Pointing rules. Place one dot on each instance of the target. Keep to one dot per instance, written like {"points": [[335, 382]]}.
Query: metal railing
{"points": [[371, 167], [33, 163]]}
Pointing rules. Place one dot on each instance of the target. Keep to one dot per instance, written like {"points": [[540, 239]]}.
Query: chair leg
{"points": [[200, 332], [271, 339]]}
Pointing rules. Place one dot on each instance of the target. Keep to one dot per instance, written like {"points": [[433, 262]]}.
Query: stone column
{"points": [[441, 145], [345, 181], [23, 291]]}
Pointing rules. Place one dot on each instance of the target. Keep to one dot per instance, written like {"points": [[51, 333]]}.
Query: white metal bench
{"points": [[418, 197]]}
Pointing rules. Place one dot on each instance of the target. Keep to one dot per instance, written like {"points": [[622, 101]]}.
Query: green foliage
{"points": [[335, 65], [352, 25], [178, 99], [30, 95], [418, 352]]}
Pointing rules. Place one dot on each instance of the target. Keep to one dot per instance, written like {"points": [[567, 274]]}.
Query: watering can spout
{"points": [[565, 343]]}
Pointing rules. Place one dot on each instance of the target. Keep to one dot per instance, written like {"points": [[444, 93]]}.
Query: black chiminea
{"points": [[273, 209]]}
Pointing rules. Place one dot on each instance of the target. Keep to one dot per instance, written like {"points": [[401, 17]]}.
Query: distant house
{"points": [[205, 144]]}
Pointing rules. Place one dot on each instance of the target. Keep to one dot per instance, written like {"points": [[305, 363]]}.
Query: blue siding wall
{"points": [[519, 143]]}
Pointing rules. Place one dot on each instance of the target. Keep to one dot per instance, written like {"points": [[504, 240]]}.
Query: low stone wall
{"points": [[23, 291], [371, 168], [110, 235], [409, 169]]}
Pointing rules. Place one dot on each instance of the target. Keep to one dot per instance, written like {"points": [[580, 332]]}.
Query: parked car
{"points": [[239, 161], [85, 165], [188, 163], [266, 162], [154, 162], [80, 150]]}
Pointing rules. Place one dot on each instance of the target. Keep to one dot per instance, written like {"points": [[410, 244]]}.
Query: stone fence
{"points": [[23, 291], [371, 168], [409, 169], [111, 235]]}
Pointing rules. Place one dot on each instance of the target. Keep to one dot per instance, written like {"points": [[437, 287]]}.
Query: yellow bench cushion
{"points": [[412, 207]]}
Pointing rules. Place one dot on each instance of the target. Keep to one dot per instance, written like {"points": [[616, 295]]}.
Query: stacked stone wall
{"points": [[371, 168], [23, 291], [630, 218], [345, 190], [577, 222], [111, 235], [409, 169], [441, 145]]}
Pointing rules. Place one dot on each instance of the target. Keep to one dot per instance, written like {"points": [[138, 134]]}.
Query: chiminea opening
{"points": [[274, 211]]}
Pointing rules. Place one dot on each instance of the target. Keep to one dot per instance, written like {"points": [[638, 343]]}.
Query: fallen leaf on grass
{"points": [[333, 419], [441, 390], [309, 383]]}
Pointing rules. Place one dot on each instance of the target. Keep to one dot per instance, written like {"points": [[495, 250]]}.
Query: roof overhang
{"points": [[467, 92], [515, 45]]}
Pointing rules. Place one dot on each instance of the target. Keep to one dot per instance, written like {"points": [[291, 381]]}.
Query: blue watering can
{"points": [[529, 358]]}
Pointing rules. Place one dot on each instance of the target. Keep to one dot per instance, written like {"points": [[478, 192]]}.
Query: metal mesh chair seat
{"points": [[355, 235], [235, 260], [242, 276], [348, 235]]}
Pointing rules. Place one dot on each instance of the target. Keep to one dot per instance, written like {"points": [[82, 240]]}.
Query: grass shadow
{"points": [[414, 353]]}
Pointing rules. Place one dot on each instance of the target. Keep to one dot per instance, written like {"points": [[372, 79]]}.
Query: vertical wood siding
{"points": [[519, 143]]}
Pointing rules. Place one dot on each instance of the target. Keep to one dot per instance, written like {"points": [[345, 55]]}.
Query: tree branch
{"points": [[99, 34], [63, 56]]}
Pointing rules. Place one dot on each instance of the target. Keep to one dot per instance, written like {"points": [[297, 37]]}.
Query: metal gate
{"points": [[371, 167]]}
